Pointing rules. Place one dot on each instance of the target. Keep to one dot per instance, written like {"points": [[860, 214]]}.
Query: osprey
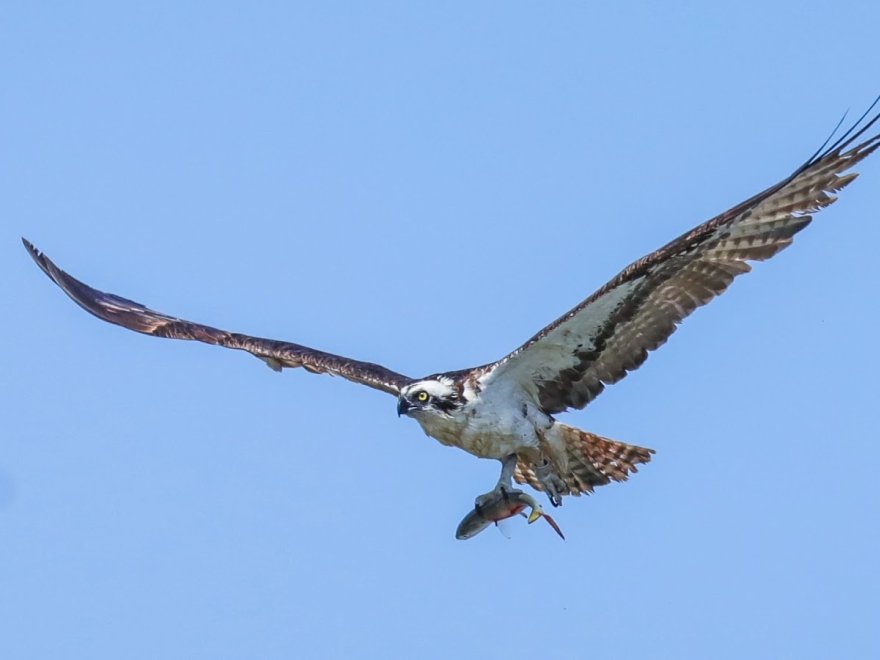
{"points": [[505, 410]]}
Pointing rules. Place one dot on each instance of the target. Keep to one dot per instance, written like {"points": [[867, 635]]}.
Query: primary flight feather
{"points": [[504, 410]]}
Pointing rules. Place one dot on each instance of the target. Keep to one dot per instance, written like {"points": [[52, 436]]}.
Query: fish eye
{"points": [[422, 396]]}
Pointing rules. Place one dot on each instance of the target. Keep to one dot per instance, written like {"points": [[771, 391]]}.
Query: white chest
{"points": [[487, 426]]}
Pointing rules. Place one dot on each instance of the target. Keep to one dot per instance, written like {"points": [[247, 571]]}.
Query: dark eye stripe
{"points": [[448, 405]]}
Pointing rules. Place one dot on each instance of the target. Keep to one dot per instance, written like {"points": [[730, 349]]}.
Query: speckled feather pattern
{"points": [[592, 461], [608, 335]]}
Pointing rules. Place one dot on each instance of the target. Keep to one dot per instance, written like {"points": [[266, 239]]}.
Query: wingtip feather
{"points": [[34, 252], [39, 258]]}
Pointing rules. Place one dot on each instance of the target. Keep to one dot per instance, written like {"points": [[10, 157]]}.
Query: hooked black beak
{"points": [[403, 406]]}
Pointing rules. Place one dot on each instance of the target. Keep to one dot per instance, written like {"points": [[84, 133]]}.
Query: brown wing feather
{"points": [[276, 354], [568, 363]]}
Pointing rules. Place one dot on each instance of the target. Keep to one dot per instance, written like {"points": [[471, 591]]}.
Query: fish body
{"points": [[502, 505]]}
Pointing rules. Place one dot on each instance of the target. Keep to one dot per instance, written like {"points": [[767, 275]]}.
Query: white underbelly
{"points": [[484, 432]]}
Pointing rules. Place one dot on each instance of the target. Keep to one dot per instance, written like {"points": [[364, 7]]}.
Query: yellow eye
{"points": [[422, 396]]}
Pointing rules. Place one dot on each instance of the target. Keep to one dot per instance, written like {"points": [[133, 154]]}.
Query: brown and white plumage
{"points": [[277, 354], [505, 409], [569, 362]]}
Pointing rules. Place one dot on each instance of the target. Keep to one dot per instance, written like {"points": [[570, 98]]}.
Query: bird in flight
{"points": [[505, 410]]}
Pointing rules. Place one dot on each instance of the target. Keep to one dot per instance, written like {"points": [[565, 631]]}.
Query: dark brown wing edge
{"points": [[277, 354], [828, 160], [695, 235]]}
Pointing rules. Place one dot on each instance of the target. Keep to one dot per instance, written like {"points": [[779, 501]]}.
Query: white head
{"points": [[432, 396]]}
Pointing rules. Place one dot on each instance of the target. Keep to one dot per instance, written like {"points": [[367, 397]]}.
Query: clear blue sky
{"points": [[425, 187]]}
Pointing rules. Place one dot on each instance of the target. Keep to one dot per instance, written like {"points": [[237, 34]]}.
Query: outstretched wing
{"points": [[568, 363], [277, 354]]}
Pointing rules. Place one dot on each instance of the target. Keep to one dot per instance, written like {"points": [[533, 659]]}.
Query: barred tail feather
{"points": [[589, 461]]}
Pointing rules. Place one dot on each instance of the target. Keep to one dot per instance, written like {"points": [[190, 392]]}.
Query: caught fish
{"points": [[500, 506]]}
